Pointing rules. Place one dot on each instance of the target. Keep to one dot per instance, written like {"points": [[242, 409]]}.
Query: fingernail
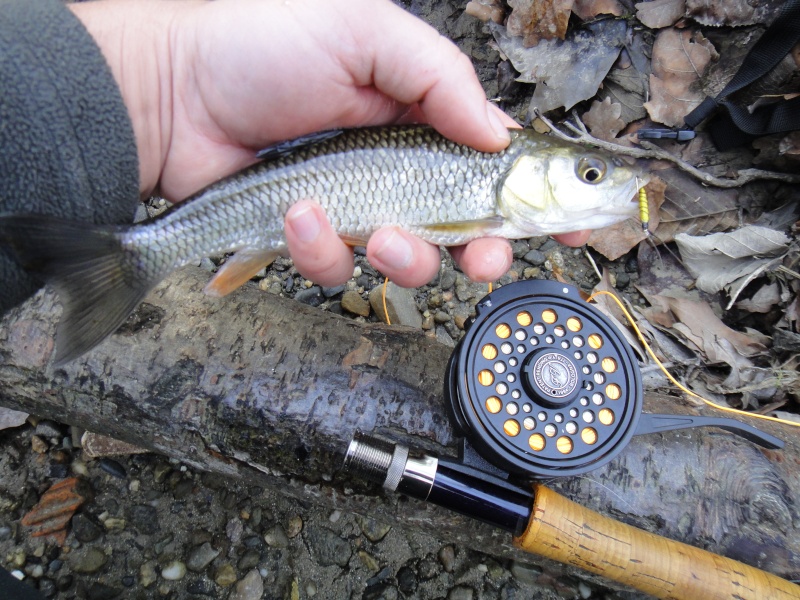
{"points": [[396, 252], [304, 223], [497, 125]]}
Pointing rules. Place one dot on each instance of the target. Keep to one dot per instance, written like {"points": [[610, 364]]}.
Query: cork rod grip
{"points": [[567, 532]]}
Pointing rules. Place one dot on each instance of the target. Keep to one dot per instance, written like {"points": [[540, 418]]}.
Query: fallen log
{"points": [[268, 390]]}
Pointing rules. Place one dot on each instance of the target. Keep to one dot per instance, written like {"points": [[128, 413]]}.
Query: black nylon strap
{"points": [[733, 124]]}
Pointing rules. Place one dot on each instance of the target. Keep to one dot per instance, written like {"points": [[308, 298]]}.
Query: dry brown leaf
{"points": [[693, 208], [656, 14], [536, 20], [603, 120], [708, 331], [616, 240], [680, 58], [763, 300], [589, 9]]}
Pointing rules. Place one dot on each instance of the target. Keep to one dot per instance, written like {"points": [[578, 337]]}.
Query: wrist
{"points": [[136, 39]]}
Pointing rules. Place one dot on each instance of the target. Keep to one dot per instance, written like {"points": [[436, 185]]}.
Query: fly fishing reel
{"points": [[543, 384]]}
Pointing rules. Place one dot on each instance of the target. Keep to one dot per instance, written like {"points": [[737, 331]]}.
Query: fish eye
{"points": [[591, 169]]}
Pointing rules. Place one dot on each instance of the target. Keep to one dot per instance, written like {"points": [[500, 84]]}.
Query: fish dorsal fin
{"points": [[482, 226], [284, 149], [240, 268]]}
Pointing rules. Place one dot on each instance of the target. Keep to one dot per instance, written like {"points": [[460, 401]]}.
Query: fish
{"points": [[365, 178]]}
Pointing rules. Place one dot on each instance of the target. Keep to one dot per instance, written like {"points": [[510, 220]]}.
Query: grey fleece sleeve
{"points": [[66, 142]]}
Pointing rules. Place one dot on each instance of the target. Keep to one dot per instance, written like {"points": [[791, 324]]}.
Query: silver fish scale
{"points": [[364, 178]]}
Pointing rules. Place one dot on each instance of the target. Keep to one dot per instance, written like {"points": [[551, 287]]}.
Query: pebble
{"points": [[225, 575], [354, 303], [448, 279], [38, 444], [460, 592], [374, 531], [584, 590], [234, 530], [251, 587], [276, 537], [143, 518], [400, 305], [147, 573], [327, 548], [248, 560], [407, 580], [101, 591], [294, 527], [535, 257], [369, 561], [312, 296], [200, 557], [525, 573], [447, 556], [113, 468], [174, 571], [87, 560]]}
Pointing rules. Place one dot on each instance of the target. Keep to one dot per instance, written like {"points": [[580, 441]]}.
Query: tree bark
{"points": [[268, 390]]}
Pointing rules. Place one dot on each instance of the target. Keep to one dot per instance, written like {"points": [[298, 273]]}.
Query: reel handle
{"points": [[567, 532], [655, 423]]}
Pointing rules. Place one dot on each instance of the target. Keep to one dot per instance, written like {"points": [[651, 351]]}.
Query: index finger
{"points": [[410, 62]]}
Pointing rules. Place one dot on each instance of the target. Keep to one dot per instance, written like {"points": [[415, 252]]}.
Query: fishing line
{"points": [[675, 381]]}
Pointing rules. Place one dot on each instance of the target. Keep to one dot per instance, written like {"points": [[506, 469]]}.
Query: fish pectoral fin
{"points": [[238, 269], [484, 226], [354, 240]]}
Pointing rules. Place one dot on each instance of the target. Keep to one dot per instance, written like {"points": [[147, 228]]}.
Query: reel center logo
{"points": [[555, 375]]}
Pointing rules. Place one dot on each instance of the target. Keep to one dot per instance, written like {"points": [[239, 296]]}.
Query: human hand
{"points": [[213, 81]]}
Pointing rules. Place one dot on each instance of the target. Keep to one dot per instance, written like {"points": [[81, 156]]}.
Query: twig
{"points": [[591, 261], [650, 150]]}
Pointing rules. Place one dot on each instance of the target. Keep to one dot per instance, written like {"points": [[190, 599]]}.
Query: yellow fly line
{"points": [[675, 381]]}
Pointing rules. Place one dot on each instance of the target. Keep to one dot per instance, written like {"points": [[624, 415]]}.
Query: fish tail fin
{"points": [[95, 276]]}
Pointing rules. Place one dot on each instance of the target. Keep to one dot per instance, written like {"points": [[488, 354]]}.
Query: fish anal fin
{"points": [[483, 226], [239, 268]]}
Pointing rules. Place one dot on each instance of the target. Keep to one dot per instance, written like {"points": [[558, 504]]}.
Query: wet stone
{"points": [[113, 468], [327, 548], [143, 518], [201, 556], [128, 581], [85, 528], [64, 582]]}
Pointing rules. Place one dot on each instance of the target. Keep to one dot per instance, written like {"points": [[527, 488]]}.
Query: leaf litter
{"points": [[719, 293]]}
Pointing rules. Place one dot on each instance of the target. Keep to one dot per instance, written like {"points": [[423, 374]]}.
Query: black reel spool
{"points": [[544, 385]]}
